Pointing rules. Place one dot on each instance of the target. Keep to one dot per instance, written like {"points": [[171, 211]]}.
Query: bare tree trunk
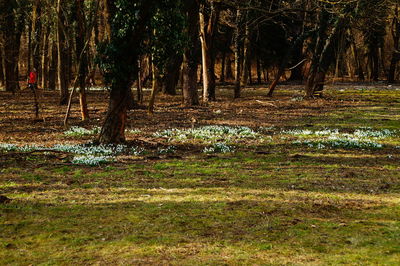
{"points": [[1, 66], [238, 54], [156, 86], [246, 56], [190, 62], [223, 63], [53, 66], [171, 77], [258, 71], [396, 53], [61, 53], [228, 68], [45, 58], [37, 36], [81, 55], [208, 23]]}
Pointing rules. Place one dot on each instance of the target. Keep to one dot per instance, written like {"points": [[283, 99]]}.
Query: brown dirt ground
{"points": [[254, 109]]}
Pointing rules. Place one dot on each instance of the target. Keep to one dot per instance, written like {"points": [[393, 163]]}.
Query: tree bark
{"points": [[238, 54], [45, 58], [37, 36], [53, 66], [171, 77], [208, 23], [396, 41], [81, 55], [190, 59], [61, 55]]}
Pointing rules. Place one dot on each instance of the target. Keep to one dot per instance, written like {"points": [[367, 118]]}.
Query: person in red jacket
{"points": [[32, 79]]}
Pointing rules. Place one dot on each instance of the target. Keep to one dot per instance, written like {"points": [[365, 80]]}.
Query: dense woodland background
{"points": [[174, 46]]}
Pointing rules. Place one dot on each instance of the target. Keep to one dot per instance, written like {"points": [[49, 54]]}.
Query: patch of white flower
{"points": [[137, 151], [80, 131], [307, 132], [168, 150], [106, 150], [85, 154], [219, 147], [208, 133], [379, 134], [90, 160], [8, 147], [135, 131]]}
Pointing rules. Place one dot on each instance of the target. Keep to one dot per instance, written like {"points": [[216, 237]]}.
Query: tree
{"points": [[209, 17], [118, 56], [190, 58]]}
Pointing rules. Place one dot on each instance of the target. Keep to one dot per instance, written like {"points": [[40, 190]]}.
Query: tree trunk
{"points": [[323, 57], [171, 76], [228, 68], [113, 130], [190, 59], [223, 63], [396, 53], [61, 56], [208, 23], [53, 66], [1, 66], [156, 86], [238, 54], [258, 71], [45, 58], [246, 57], [81, 56], [37, 36]]}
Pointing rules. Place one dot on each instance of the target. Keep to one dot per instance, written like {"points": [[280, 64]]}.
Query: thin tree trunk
{"points": [[238, 54], [258, 70], [53, 66], [37, 36], [45, 58], [207, 35], [246, 57], [223, 63], [81, 55], [396, 53], [61, 56]]}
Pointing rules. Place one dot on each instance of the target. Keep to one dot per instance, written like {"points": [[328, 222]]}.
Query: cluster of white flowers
{"points": [[341, 143], [363, 138], [91, 160], [86, 154], [135, 131], [379, 134], [8, 147], [307, 132], [168, 150], [208, 133], [107, 150], [219, 147], [80, 131], [137, 151]]}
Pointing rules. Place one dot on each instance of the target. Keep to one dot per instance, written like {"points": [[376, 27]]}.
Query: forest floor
{"points": [[281, 181]]}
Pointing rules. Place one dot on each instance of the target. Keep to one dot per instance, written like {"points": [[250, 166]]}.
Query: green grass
{"points": [[279, 204]]}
